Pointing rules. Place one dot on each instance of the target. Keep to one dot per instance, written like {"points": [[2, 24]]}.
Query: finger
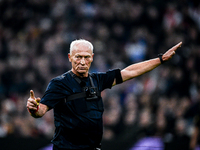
{"points": [[179, 44], [37, 100], [174, 48], [33, 101], [32, 95], [32, 108], [31, 105]]}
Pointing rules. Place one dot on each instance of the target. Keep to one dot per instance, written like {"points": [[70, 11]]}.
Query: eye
{"points": [[87, 57]]}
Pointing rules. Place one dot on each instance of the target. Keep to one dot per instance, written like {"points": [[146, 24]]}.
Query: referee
{"points": [[75, 97]]}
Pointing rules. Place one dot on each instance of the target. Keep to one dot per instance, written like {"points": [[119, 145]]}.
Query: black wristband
{"points": [[118, 76], [160, 56]]}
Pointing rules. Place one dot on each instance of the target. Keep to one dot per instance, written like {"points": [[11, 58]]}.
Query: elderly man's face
{"points": [[81, 58]]}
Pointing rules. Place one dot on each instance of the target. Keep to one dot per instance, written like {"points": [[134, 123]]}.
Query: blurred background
{"points": [[152, 112]]}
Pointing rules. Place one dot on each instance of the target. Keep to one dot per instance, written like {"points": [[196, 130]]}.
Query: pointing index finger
{"points": [[32, 95]]}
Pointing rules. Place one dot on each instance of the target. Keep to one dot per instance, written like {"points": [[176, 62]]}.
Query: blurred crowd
{"points": [[34, 42]]}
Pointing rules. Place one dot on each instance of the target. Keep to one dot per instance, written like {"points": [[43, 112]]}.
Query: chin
{"points": [[82, 71]]}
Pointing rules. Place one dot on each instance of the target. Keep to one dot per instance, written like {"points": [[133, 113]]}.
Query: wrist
{"points": [[160, 57]]}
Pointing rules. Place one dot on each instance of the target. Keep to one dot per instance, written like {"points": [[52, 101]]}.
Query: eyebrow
{"points": [[81, 55]]}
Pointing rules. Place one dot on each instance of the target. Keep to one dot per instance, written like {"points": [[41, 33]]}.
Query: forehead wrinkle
{"points": [[79, 54]]}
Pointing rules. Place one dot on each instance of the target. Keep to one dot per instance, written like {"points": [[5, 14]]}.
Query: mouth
{"points": [[82, 68]]}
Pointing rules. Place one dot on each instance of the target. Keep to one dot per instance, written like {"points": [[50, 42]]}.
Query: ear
{"points": [[92, 57], [69, 57]]}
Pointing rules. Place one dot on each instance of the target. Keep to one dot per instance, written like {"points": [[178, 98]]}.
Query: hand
{"points": [[32, 103], [168, 55]]}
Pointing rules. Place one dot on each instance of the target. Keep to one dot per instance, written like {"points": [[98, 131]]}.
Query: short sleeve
{"points": [[107, 79], [54, 93]]}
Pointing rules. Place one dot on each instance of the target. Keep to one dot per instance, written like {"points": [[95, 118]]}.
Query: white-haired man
{"points": [[76, 99]]}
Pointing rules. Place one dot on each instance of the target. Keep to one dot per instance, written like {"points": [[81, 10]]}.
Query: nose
{"points": [[82, 61]]}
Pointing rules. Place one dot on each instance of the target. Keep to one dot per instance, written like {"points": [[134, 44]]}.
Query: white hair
{"points": [[75, 42]]}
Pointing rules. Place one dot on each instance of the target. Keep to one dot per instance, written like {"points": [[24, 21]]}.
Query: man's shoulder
{"points": [[61, 77], [96, 73], [108, 72]]}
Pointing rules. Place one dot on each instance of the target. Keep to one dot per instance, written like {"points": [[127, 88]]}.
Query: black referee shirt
{"points": [[78, 122]]}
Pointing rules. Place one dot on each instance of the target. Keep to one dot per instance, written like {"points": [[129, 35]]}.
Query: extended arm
{"points": [[35, 108], [138, 69]]}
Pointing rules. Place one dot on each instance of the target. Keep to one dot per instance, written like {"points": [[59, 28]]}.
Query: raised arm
{"points": [[35, 108], [146, 66]]}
